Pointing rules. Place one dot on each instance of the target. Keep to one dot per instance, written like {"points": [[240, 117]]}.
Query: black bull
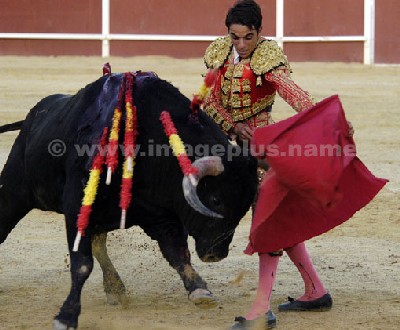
{"points": [[37, 175]]}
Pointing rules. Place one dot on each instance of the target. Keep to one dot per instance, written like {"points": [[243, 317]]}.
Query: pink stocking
{"points": [[266, 278], [314, 288]]}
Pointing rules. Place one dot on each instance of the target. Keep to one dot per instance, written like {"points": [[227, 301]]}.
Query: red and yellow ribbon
{"points": [[90, 191], [111, 159], [124, 102], [129, 146], [177, 145], [112, 150]]}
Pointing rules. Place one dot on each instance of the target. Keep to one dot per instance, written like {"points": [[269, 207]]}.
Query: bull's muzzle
{"points": [[208, 165]]}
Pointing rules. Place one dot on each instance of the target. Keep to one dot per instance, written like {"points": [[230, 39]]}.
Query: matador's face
{"points": [[244, 39]]}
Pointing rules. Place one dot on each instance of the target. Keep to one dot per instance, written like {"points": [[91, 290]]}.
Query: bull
{"points": [[166, 203]]}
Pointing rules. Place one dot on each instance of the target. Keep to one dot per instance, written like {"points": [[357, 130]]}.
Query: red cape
{"points": [[315, 182]]}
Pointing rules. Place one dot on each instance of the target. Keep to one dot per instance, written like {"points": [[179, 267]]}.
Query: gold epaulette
{"points": [[267, 56], [217, 52]]}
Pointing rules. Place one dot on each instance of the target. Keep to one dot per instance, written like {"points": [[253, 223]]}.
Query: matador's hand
{"points": [[243, 131]]}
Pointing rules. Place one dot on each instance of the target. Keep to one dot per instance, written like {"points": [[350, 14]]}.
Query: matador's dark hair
{"points": [[245, 12]]}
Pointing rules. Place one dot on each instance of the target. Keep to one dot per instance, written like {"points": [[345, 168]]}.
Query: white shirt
{"points": [[236, 57]]}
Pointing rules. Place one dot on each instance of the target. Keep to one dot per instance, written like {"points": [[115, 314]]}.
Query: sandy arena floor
{"points": [[359, 261]]}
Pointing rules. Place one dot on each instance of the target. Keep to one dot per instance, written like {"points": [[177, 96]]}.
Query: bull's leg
{"points": [[12, 210], [175, 249], [112, 283], [81, 267], [15, 198]]}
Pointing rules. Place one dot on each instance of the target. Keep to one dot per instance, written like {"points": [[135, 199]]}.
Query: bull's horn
{"points": [[208, 165]]}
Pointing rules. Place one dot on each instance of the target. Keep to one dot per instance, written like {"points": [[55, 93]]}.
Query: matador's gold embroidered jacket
{"points": [[247, 89]]}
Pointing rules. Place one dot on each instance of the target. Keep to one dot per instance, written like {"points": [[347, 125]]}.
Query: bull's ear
{"points": [[209, 165]]}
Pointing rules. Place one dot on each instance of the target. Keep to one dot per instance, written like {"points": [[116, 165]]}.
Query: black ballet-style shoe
{"points": [[317, 305], [242, 324]]}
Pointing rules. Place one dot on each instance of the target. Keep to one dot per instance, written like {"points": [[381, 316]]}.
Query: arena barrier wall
{"points": [[308, 30]]}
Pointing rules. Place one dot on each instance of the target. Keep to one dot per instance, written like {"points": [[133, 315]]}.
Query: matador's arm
{"points": [[296, 97], [213, 107]]}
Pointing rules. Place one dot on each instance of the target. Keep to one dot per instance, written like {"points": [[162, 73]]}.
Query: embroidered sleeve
{"points": [[296, 97], [213, 107]]}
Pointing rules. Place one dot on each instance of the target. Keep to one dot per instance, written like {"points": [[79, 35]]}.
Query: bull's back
{"points": [[43, 125], [58, 129]]}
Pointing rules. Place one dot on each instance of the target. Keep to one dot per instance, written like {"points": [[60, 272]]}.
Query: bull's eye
{"points": [[215, 201]]}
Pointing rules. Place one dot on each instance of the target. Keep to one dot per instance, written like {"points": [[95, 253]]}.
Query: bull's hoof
{"points": [[57, 325], [203, 298], [112, 299], [115, 299]]}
